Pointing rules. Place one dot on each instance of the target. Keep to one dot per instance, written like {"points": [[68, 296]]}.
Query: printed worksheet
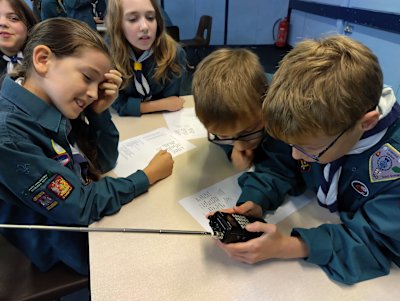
{"points": [[136, 153], [224, 194], [185, 124]]}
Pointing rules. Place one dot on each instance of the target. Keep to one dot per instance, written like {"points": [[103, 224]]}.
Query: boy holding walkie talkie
{"points": [[328, 103], [228, 87]]}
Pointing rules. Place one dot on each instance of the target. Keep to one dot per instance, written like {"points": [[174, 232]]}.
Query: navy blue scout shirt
{"points": [[39, 186], [267, 181], [368, 240], [80, 10], [129, 100]]}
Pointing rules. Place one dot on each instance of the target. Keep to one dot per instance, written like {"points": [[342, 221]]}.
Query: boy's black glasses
{"points": [[317, 157], [231, 140]]}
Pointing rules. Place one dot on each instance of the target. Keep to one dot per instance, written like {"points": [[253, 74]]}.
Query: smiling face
{"points": [[69, 83], [139, 23], [13, 32]]}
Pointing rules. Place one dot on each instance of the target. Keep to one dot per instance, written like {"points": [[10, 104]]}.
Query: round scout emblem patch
{"points": [[360, 187]]}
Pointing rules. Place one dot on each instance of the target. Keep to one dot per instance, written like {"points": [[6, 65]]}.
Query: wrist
{"points": [[293, 247], [149, 174], [151, 106]]}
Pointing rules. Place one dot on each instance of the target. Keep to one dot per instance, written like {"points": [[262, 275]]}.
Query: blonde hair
{"points": [[228, 86], [164, 46], [322, 87]]}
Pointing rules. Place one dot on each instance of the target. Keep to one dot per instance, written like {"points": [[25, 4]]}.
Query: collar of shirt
{"points": [[44, 114]]}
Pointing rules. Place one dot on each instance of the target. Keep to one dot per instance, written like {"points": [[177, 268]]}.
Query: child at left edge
{"points": [[16, 19], [57, 138], [153, 65]]}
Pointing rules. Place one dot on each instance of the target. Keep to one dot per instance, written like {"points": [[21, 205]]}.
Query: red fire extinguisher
{"points": [[283, 30]]}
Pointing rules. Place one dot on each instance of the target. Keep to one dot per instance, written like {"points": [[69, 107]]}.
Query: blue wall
{"points": [[250, 22], [29, 3], [385, 45]]}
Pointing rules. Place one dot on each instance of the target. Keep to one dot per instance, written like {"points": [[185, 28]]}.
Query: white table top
{"points": [[175, 267]]}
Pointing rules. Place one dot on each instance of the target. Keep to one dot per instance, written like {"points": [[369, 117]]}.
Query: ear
{"points": [[41, 59], [369, 120]]}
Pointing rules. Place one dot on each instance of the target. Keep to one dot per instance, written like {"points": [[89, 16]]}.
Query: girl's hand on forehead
{"points": [[108, 91]]}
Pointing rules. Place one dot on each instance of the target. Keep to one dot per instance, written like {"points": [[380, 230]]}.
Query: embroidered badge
{"points": [[384, 164], [45, 200], [60, 187], [57, 148], [63, 159], [35, 186], [360, 187], [305, 166]]}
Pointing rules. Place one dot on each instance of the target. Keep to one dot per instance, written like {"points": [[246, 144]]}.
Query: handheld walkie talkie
{"points": [[230, 228]]}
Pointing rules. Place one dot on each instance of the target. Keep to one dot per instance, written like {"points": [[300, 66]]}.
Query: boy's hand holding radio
{"points": [[271, 244], [108, 91]]}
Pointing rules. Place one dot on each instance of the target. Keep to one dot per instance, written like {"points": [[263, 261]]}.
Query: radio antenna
{"points": [[87, 229]]}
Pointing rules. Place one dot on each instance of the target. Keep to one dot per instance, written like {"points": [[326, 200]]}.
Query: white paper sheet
{"points": [[185, 124], [224, 194], [136, 153]]}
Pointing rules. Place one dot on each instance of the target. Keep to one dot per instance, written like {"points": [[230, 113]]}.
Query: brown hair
{"points": [[164, 46], [67, 37], [322, 87], [228, 86], [24, 12]]}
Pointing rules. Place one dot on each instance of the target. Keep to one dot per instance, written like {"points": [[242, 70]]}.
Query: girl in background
{"points": [[16, 19], [80, 10], [52, 9], [152, 63], [57, 137]]}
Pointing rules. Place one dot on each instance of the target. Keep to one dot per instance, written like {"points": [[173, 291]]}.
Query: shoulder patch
{"points": [[57, 148], [384, 164], [45, 200], [360, 187], [63, 159], [39, 182], [60, 187]]}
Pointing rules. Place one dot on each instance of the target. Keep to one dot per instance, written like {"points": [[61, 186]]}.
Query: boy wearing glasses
{"points": [[328, 102], [228, 87]]}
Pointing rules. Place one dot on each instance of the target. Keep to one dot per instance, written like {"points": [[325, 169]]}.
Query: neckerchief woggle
{"points": [[140, 81], [13, 60], [389, 112]]}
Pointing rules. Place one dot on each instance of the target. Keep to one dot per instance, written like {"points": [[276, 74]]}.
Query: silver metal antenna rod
{"points": [[87, 229]]}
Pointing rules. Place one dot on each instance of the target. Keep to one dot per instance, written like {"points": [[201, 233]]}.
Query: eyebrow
{"points": [[134, 13], [91, 69]]}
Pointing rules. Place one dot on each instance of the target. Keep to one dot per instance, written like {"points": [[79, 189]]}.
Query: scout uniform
{"points": [[43, 181], [52, 9], [80, 10], [367, 201], [129, 99]]}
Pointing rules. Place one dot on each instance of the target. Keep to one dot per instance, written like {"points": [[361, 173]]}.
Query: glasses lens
{"points": [[251, 136], [314, 157], [229, 141], [215, 139]]}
